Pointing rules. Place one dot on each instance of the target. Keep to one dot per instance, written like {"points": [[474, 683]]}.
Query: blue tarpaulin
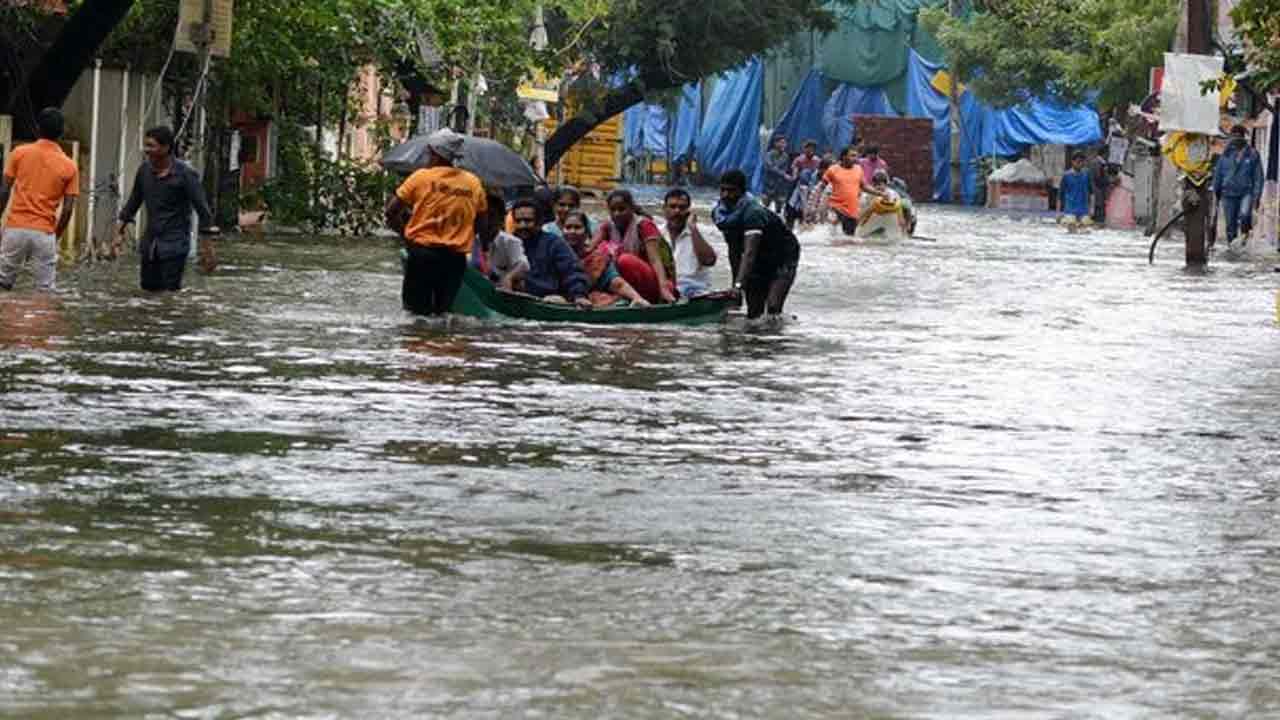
{"points": [[633, 122], [1041, 123], [803, 120], [845, 102], [688, 122], [730, 137], [650, 128], [657, 124], [923, 101]]}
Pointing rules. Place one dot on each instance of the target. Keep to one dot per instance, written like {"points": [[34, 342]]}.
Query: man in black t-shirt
{"points": [[763, 252], [171, 190]]}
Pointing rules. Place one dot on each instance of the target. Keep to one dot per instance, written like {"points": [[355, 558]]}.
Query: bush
{"points": [[319, 194]]}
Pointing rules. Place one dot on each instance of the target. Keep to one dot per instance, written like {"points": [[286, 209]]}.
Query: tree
{"points": [[60, 65], [1009, 51], [657, 45], [1257, 22]]}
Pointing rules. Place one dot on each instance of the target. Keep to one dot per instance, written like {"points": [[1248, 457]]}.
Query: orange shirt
{"points": [[445, 204], [846, 189], [41, 175]]}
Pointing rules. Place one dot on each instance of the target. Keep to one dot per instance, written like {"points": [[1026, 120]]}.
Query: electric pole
{"points": [[1196, 198]]}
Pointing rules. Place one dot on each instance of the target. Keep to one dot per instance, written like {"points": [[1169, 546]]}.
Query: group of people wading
{"points": [[854, 192], [43, 184], [546, 247]]}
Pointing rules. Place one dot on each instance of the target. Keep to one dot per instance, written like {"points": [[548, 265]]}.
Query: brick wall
{"points": [[906, 144]]}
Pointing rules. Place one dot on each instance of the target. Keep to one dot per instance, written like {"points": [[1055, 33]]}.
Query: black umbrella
{"points": [[497, 165]]}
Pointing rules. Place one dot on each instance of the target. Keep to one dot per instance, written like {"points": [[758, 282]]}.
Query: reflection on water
{"points": [[1008, 473], [31, 321]]}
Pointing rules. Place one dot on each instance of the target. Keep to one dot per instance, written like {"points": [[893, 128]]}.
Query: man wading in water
{"points": [[40, 177], [763, 253], [435, 212], [171, 190]]}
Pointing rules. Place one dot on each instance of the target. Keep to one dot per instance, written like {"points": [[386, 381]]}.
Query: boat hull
{"points": [[479, 298]]}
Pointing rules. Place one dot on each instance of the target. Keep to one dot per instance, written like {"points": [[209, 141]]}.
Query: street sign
{"points": [[191, 16]]}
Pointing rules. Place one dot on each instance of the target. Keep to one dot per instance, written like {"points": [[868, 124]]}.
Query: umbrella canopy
{"points": [[497, 165]]}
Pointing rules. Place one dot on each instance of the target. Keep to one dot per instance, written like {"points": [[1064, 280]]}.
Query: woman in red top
{"points": [[643, 257]]}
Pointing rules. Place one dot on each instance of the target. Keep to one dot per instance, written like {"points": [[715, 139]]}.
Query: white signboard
{"points": [[1183, 105]]}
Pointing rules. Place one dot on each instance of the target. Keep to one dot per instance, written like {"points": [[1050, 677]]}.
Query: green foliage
{"points": [[1257, 22], [1013, 50], [320, 194], [668, 43]]}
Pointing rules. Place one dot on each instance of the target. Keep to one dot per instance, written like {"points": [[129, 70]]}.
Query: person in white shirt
{"points": [[498, 255], [694, 256]]}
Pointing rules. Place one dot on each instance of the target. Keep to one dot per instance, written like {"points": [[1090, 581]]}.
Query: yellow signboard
{"points": [[191, 15], [539, 88], [942, 83]]}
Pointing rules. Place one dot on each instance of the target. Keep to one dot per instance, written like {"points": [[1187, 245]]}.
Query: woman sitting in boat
{"points": [[606, 284], [636, 244], [567, 200], [554, 274]]}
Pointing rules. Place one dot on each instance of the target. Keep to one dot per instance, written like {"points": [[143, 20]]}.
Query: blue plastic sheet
{"points": [[1042, 123], [651, 128], [633, 122], [923, 101], [803, 119], [845, 102], [727, 136], [688, 122], [730, 136], [657, 123]]}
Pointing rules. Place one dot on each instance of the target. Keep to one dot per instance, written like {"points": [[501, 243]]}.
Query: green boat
{"points": [[480, 298]]}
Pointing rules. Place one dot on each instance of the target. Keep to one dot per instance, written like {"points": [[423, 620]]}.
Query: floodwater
{"points": [[1008, 473]]}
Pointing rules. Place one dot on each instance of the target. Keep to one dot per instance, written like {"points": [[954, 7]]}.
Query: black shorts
{"points": [[848, 225], [432, 278], [163, 275], [769, 270]]}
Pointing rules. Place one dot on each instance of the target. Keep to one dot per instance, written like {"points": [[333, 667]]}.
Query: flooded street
{"points": [[1009, 473]]}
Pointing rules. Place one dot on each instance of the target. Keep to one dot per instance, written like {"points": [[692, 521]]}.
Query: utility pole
{"points": [[1196, 199], [957, 181]]}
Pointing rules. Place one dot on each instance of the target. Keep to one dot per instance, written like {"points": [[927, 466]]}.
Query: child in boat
{"points": [[882, 210], [498, 255], [567, 200]]}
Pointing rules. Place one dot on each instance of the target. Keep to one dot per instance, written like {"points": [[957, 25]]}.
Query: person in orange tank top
{"points": [[38, 177]]}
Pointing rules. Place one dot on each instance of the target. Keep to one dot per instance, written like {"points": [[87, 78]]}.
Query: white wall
{"points": [[110, 184]]}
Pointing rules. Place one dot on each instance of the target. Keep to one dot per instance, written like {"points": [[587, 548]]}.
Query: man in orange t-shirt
{"points": [[39, 177], [435, 212], [847, 186]]}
